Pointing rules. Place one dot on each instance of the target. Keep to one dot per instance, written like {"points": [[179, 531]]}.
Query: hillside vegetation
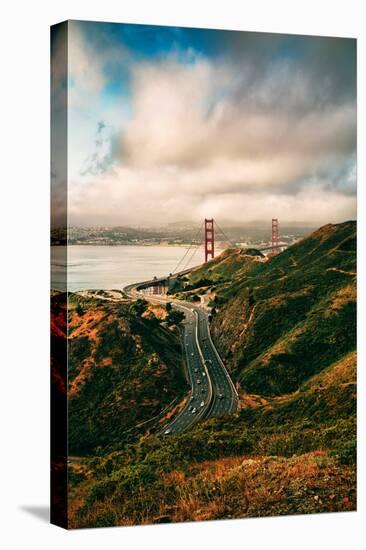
{"points": [[221, 272], [290, 455], [124, 369], [293, 316], [286, 330]]}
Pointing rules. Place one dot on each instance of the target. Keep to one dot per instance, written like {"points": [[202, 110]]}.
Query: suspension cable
{"points": [[227, 240], [191, 258], [188, 249]]}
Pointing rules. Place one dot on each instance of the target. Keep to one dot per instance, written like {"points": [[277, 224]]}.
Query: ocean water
{"points": [[113, 267]]}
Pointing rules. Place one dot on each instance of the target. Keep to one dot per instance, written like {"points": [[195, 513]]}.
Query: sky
{"points": [[171, 124]]}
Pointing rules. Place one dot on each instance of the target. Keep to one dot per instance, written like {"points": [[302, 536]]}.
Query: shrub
{"points": [[100, 491], [139, 307], [79, 310], [346, 453], [105, 519], [175, 317]]}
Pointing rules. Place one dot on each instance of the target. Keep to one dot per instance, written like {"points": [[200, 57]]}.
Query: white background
{"points": [[24, 188]]}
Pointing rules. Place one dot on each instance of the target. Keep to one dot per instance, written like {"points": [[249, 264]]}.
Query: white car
{"points": [[198, 381], [203, 374], [167, 432], [192, 354], [202, 403], [194, 411]]}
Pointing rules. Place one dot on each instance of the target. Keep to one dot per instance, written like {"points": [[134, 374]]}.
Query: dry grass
{"points": [[340, 299], [233, 487], [264, 486], [251, 401], [339, 374], [155, 310]]}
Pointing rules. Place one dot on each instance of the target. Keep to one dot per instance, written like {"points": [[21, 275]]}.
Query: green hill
{"points": [[233, 263], [124, 369], [223, 272], [291, 317]]}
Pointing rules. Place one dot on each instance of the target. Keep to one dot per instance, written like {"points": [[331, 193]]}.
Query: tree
{"points": [[139, 307], [79, 310], [175, 317]]}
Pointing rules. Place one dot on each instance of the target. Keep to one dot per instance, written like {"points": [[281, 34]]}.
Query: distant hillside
{"points": [[232, 263], [221, 272], [123, 370]]}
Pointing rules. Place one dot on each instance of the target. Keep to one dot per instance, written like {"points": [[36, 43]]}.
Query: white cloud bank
{"points": [[200, 141]]}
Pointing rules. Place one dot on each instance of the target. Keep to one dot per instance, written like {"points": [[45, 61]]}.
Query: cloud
{"points": [[59, 127], [267, 127], [152, 196], [191, 115], [94, 120]]}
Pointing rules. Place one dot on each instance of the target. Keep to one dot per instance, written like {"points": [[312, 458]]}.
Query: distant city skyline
{"points": [[168, 124], [188, 223]]}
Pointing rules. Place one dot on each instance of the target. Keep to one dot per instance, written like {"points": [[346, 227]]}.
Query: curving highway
{"points": [[224, 396], [213, 393]]}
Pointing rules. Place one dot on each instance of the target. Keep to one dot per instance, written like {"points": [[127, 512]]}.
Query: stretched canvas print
{"points": [[203, 247]]}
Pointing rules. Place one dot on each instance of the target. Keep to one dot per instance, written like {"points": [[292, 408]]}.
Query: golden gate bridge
{"points": [[207, 235]]}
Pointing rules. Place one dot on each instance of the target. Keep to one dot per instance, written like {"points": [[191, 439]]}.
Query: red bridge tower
{"points": [[209, 239], [275, 239]]}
